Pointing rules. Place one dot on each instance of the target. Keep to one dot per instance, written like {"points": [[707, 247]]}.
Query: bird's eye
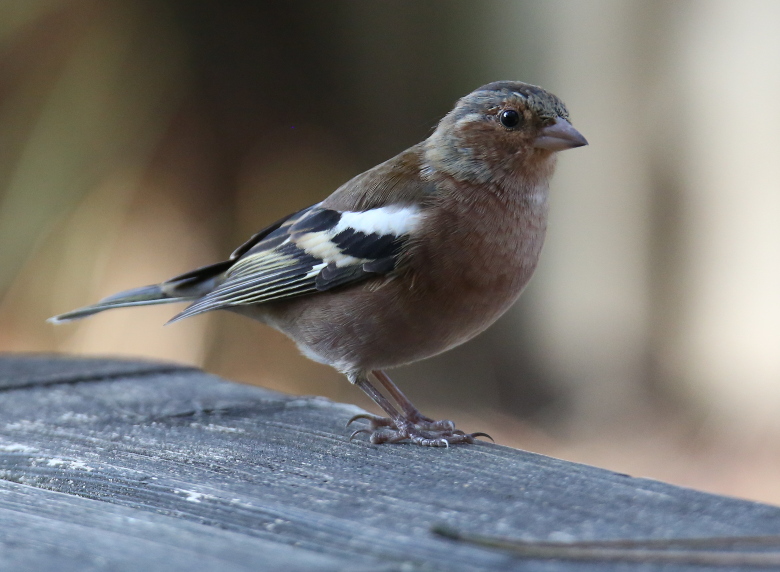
{"points": [[509, 118]]}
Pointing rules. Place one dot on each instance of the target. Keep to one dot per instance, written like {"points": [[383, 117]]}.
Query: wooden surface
{"points": [[111, 465]]}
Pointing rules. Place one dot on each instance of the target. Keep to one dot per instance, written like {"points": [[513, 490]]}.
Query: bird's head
{"points": [[503, 129]]}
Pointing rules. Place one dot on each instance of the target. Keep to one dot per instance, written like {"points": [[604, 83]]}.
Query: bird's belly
{"points": [[385, 323]]}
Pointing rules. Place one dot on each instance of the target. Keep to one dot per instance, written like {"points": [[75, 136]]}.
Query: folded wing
{"points": [[312, 251]]}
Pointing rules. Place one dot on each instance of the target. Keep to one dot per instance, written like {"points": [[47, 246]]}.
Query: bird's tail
{"points": [[184, 288], [143, 296]]}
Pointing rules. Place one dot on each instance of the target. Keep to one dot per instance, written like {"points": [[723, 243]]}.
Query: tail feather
{"points": [[143, 296], [184, 288]]}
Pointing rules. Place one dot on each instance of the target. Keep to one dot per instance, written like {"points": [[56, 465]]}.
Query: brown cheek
{"points": [[485, 139], [505, 151]]}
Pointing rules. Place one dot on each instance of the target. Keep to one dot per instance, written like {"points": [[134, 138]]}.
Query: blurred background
{"points": [[140, 139]]}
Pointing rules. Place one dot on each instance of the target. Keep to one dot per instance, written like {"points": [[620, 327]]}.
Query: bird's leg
{"points": [[361, 380], [410, 411], [397, 427]]}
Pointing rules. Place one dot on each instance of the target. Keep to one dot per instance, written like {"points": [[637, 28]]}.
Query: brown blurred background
{"points": [[139, 139]]}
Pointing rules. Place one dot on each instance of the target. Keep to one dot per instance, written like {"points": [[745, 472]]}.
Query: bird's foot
{"points": [[419, 420], [426, 432]]}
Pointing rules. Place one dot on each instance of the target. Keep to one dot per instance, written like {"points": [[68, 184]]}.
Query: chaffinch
{"points": [[403, 262]]}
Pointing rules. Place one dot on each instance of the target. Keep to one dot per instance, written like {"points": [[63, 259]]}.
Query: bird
{"points": [[406, 260]]}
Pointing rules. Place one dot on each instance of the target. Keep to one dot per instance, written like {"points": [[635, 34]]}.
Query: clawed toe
{"points": [[374, 420], [445, 425], [473, 436], [481, 434], [359, 431]]}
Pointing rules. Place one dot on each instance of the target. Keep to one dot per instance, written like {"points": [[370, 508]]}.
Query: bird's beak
{"points": [[559, 136]]}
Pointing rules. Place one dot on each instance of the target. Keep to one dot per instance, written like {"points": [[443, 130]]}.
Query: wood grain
{"points": [[117, 465]]}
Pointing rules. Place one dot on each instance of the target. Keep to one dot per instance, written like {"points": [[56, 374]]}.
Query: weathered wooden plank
{"points": [[152, 466], [31, 370], [47, 530]]}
